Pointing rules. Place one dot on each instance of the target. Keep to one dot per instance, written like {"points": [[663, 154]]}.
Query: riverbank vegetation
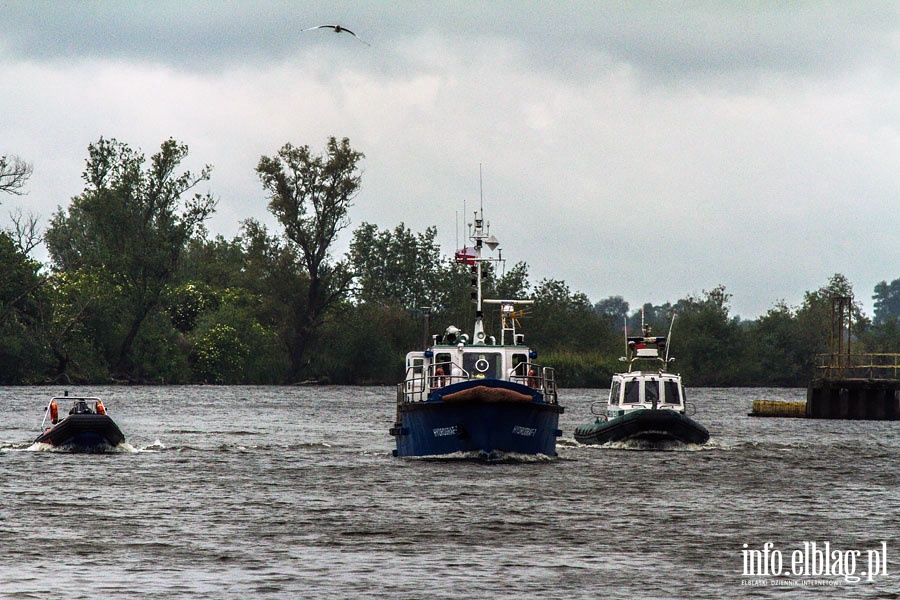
{"points": [[137, 291]]}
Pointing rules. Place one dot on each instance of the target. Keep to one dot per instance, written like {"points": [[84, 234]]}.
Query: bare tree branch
{"points": [[24, 231], [14, 172]]}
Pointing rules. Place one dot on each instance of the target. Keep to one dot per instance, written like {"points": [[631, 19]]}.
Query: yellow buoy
{"points": [[769, 408]]}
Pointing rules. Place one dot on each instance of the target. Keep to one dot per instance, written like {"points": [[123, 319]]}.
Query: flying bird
{"points": [[338, 29]]}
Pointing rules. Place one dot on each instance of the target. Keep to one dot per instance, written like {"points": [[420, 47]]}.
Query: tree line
{"points": [[136, 290]]}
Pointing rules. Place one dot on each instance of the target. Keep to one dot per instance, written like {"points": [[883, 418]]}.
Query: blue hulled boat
{"points": [[646, 405], [475, 395], [87, 427]]}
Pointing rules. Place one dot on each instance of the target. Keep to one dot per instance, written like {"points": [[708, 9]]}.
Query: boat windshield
{"points": [[672, 395], [632, 392], [651, 392], [655, 391], [483, 364]]}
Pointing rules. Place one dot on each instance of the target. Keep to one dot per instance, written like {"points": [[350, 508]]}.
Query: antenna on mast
{"points": [[481, 188], [669, 338]]}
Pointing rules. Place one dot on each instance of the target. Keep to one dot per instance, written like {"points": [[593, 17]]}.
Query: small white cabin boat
{"points": [[644, 404]]}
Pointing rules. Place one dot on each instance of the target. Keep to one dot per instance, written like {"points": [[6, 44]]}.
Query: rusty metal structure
{"points": [[841, 333], [852, 386]]}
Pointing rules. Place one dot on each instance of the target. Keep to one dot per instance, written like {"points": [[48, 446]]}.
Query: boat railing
{"points": [[46, 413], [551, 395], [74, 399], [538, 378], [445, 373], [418, 385]]}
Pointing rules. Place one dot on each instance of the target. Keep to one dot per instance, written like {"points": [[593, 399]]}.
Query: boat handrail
{"points": [[439, 381], [57, 399], [418, 387], [539, 378], [549, 385], [46, 413]]}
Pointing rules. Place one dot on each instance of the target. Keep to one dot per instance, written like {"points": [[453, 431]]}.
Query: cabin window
{"points": [[672, 392], [632, 392], [415, 383], [482, 365], [651, 392], [417, 364], [442, 361], [520, 365], [614, 394]]}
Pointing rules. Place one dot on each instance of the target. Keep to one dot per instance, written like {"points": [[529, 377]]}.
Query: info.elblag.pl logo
{"points": [[813, 559]]}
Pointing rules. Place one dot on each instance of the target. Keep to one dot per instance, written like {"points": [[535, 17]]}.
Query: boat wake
{"points": [[156, 446], [121, 448], [485, 457], [656, 446]]}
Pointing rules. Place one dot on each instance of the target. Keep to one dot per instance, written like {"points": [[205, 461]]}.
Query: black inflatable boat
{"points": [[87, 427]]}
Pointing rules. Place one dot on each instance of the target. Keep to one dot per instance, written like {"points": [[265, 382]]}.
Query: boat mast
{"points": [[479, 233]]}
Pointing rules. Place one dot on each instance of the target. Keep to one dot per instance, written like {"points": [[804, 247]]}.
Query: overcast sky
{"points": [[648, 150]]}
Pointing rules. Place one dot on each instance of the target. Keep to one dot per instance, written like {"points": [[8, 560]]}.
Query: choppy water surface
{"points": [[264, 492]]}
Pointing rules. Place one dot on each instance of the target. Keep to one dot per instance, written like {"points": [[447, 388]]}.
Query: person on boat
{"points": [[517, 373], [456, 373], [54, 412], [439, 380], [532, 378], [99, 408], [80, 408]]}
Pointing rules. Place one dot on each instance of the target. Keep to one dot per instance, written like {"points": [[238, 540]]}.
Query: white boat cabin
{"points": [[643, 389], [452, 359]]}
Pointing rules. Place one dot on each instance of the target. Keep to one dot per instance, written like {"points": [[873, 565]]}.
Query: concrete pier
{"points": [[853, 398]]}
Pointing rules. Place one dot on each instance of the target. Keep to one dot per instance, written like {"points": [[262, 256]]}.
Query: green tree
{"points": [[217, 263], [614, 306], [658, 317], [564, 320], [23, 302], [85, 309], [186, 302], [814, 314], [21, 279], [887, 302], [129, 227], [367, 344], [234, 328], [310, 196], [513, 284], [398, 266], [709, 342], [776, 354]]}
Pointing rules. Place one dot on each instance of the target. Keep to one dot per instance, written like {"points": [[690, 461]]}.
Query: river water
{"points": [[292, 492]]}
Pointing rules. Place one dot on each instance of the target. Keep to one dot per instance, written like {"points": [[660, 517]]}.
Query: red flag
{"points": [[466, 256]]}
